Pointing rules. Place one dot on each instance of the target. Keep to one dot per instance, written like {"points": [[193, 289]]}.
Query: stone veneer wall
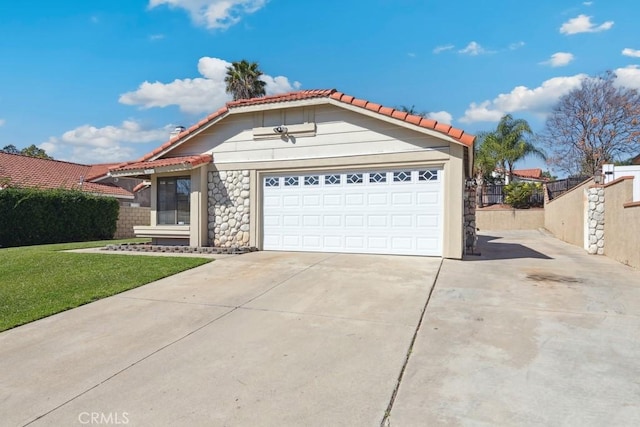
{"points": [[595, 197], [228, 207], [470, 219]]}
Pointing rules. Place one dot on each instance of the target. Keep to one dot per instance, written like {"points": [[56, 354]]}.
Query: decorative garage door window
{"points": [[354, 178], [397, 211]]}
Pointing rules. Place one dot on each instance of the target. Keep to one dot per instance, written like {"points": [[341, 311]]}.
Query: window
{"points": [[354, 178], [428, 175], [311, 180], [272, 182], [173, 200], [331, 179], [290, 181], [378, 177], [403, 176]]}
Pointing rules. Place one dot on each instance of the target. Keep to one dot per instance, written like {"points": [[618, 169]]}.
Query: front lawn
{"points": [[38, 281]]}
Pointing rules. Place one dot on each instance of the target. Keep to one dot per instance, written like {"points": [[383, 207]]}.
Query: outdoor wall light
{"points": [[281, 130]]}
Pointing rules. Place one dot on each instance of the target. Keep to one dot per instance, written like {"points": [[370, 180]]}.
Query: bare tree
{"points": [[598, 122]]}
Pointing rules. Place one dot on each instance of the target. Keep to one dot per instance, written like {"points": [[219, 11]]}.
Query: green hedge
{"points": [[31, 216]]}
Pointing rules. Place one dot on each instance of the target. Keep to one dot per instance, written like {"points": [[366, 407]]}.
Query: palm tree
{"points": [[512, 144], [243, 80]]}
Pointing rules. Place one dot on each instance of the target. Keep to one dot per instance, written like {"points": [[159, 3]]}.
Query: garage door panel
{"points": [[402, 220], [354, 199], [332, 220], [332, 200], [405, 198], [390, 212], [377, 221]]}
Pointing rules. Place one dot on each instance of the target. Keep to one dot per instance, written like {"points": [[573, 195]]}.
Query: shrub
{"points": [[30, 216], [519, 194]]}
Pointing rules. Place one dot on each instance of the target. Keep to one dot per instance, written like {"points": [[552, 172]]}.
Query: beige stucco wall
{"points": [[509, 219], [622, 224], [130, 217], [564, 216]]}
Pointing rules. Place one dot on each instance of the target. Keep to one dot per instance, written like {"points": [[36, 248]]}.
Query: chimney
{"points": [[177, 131]]}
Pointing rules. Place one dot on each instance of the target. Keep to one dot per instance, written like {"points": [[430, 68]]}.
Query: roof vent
{"points": [[177, 131]]}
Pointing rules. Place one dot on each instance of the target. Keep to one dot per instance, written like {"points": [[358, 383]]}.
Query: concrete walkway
{"points": [[533, 332]]}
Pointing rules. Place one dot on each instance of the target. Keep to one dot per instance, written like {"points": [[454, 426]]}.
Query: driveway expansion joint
{"points": [[386, 419]]}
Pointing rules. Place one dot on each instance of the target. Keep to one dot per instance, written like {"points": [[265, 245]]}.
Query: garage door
{"points": [[379, 212]]}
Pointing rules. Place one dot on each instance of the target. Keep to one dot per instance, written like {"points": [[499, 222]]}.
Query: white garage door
{"points": [[381, 212]]}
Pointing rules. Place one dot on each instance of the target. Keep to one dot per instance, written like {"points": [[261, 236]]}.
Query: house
{"points": [[23, 171], [312, 170], [529, 175], [521, 175], [636, 160]]}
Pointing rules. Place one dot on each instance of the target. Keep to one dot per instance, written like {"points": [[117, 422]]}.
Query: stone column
{"points": [[595, 216], [229, 208], [470, 219]]}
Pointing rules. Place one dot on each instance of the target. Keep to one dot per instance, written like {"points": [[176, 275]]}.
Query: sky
{"points": [[107, 80]]}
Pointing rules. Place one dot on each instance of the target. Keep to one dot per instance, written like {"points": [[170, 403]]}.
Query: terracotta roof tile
{"points": [[373, 107], [528, 173], [24, 171], [401, 115], [414, 120], [446, 129]]}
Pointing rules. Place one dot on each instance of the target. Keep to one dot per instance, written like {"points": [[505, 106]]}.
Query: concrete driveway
{"points": [[262, 339], [533, 332]]}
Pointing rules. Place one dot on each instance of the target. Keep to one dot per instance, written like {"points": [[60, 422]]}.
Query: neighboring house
{"points": [[612, 172], [521, 175], [23, 171], [313, 170], [636, 160]]}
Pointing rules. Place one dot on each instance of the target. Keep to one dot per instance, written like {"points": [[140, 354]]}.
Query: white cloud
{"points": [[559, 59], [441, 117], [631, 52], [516, 45], [439, 49], [628, 76], [199, 95], [536, 101], [583, 24], [89, 144], [587, 3], [473, 49], [154, 37], [2, 122], [214, 14]]}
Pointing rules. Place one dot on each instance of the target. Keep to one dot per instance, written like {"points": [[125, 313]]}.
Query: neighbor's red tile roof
{"points": [[191, 161], [528, 173], [24, 171], [443, 128], [100, 170]]}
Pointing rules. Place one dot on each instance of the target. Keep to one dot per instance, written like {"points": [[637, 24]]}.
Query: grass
{"points": [[38, 281]]}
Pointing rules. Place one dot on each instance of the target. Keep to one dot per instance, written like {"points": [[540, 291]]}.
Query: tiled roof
{"points": [[443, 128], [100, 170], [24, 171], [528, 173], [189, 161]]}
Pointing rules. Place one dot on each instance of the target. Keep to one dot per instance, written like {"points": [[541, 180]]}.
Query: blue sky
{"points": [[106, 80]]}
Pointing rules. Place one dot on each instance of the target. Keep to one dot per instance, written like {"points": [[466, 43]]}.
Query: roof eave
{"points": [[147, 172]]}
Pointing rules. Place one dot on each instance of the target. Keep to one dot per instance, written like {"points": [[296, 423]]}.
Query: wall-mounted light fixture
{"points": [[282, 130]]}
